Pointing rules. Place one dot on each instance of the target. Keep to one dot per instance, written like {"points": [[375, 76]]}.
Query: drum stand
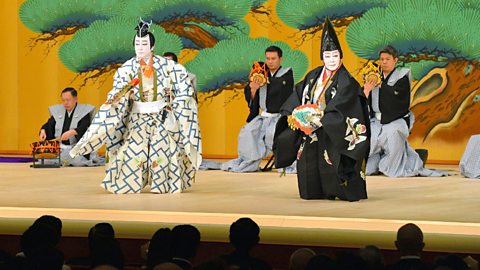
{"points": [[42, 163]]}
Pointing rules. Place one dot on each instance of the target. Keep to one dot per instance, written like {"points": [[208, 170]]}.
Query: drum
{"points": [[371, 71], [45, 149], [259, 72]]}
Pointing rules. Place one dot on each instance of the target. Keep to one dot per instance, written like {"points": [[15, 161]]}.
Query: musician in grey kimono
{"points": [[68, 122], [264, 101], [391, 122]]}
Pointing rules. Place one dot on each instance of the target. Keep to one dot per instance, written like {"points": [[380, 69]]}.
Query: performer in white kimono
{"points": [[191, 76], [68, 122], [391, 121], [255, 139], [154, 139]]}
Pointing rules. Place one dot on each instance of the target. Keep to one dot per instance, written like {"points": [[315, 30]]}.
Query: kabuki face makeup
{"points": [[142, 47], [330, 49], [332, 60]]}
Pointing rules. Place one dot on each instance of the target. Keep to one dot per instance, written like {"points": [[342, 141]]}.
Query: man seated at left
{"points": [[68, 122]]}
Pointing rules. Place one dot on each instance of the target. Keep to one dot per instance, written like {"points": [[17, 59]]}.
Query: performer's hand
{"points": [[67, 134], [368, 87], [254, 85], [43, 135]]}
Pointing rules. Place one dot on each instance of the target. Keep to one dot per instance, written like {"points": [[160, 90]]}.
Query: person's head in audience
{"points": [[347, 260], [52, 222], [244, 234], [322, 262], [185, 241], [410, 240], [171, 56], [160, 248], [300, 258], [372, 256], [36, 238], [101, 230]]}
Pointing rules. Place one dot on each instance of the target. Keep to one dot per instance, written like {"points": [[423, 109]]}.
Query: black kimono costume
{"points": [[331, 161]]}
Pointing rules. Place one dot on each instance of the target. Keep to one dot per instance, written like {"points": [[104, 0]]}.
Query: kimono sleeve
{"points": [[185, 112]]}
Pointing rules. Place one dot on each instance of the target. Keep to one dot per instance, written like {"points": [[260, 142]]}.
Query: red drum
{"points": [[259, 73], [45, 149]]}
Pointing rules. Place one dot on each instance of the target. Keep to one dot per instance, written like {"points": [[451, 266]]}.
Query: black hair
{"points": [[185, 240], [71, 90], [244, 233], [389, 49], [102, 229], [274, 49], [142, 30], [172, 55], [160, 248]]}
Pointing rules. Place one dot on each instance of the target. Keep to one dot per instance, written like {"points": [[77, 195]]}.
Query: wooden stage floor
{"points": [[445, 208]]}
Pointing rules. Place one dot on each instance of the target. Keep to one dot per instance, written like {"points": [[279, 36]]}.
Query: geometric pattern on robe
{"points": [[330, 162], [144, 148], [470, 163]]}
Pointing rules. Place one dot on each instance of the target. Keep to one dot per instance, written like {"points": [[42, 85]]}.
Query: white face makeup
{"points": [[142, 47], [332, 60]]}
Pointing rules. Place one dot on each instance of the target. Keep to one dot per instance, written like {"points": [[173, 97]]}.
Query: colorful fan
{"points": [[306, 118]]}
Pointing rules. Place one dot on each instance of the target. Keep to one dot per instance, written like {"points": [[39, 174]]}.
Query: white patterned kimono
{"points": [[143, 146]]}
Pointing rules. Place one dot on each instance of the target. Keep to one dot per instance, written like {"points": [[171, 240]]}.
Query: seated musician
{"points": [[391, 121], [264, 96], [68, 122]]}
